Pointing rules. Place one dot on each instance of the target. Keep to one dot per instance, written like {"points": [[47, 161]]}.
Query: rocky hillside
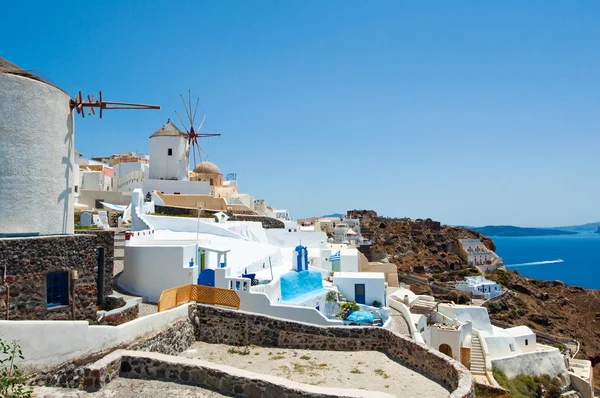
{"points": [[551, 307], [425, 248], [415, 245]]}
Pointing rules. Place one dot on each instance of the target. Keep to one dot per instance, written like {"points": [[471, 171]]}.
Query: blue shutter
{"points": [[57, 289]]}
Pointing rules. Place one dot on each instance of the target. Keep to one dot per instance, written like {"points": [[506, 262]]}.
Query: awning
{"points": [[119, 208]]}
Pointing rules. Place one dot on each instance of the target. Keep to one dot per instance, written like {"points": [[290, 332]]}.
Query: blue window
{"points": [[57, 289]]}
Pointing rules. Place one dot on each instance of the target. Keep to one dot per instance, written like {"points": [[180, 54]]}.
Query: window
{"points": [[526, 342], [512, 348], [57, 289], [170, 152], [76, 188]]}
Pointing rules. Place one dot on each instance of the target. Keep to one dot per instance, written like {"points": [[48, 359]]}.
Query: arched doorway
{"points": [[446, 350]]}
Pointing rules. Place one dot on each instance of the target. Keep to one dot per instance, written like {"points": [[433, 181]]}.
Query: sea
{"points": [[573, 259]]}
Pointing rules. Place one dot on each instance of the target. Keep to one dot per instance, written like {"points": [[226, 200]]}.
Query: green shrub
{"points": [[331, 297], [376, 304], [12, 379], [526, 386], [345, 307], [499, 276]]}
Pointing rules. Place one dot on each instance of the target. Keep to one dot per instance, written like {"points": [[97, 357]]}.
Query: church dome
{"points": [[207, 168]]}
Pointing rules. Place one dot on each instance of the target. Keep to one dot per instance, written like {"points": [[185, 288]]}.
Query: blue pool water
{"points": [[573, 259], [295, 284]]}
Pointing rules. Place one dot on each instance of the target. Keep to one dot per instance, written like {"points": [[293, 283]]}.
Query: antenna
{"points": [[80, 103]]}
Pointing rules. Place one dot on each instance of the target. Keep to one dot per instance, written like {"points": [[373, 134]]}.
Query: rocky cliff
{"points": [[415, 245], [426, 248]]}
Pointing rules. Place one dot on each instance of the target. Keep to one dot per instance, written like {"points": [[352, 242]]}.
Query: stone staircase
{"points": [[477, 359], [423, 307]]}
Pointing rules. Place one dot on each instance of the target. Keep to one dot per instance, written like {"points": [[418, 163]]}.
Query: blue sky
{"points": [[465, 112]]}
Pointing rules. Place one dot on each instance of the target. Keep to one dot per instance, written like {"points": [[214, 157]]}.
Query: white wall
{"points": [[164, 166], [542, 362], [450, 337], [282, 237], [374, 288], [92, 180], [89, 197], [148, 270], [349, 260], [189, 224], [47, 344], [259, 303], [172, 186], [36, 157], [478, 315]]}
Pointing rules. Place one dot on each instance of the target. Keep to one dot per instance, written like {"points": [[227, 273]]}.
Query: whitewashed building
{"points": [[479, 286], [474, 252]]}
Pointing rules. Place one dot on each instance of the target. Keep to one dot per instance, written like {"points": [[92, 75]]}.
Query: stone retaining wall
{"points": [[216, 325], [222, 378], [128, 312], [171, 340], [485, 390], [267, 222]]}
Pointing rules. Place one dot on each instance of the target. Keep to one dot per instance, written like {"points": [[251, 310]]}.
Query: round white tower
{"points": [[36, 155], [168, 160]]}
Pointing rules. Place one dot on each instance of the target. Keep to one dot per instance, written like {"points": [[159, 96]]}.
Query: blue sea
{"points": [[573, 259]]}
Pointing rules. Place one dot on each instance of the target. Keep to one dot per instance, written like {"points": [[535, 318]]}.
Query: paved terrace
{"points": [[363, 370]]}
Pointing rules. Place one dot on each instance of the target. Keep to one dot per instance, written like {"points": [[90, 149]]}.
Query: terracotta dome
{"points": [[207, 168]]}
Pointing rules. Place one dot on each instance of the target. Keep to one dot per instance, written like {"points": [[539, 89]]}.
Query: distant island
{"points": [[588, 228], [334, 215], [511, 230]]}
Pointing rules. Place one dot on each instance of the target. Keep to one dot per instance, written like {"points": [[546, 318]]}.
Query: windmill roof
{"points": [[168, 130], [9, 68]]}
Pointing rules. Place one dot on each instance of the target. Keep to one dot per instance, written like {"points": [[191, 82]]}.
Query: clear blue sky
{"points": [[472, 112]]}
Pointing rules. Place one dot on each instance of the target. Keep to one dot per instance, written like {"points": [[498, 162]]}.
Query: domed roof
{"points": [[207, 168]]}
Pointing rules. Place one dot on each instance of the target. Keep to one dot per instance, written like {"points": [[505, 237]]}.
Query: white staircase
{"points": [[477, 359]]}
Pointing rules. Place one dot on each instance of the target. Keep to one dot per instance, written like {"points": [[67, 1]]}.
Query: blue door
{"points": [[207, 278], [359, 293]]}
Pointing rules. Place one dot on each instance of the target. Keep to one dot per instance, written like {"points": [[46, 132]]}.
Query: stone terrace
{"points": [[214, 325]]}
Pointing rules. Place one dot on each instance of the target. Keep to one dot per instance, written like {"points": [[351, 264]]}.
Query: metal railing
{"points": [[176, 296]]}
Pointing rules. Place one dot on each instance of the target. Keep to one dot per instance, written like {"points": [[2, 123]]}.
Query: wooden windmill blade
{"points": [[91, 101], [79, 103]]}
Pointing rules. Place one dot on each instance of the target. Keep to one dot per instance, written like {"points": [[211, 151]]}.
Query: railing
{"points": [[176, 296]]}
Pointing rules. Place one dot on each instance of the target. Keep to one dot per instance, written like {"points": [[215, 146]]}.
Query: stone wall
{"points": [[484, 390], [171, 340], [175, 211], [221, 378], [105, 239], [267, 222], [28, 260], [127, 312], [215, 325]]}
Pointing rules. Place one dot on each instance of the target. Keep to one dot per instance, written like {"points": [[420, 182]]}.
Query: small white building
{"points": [[474, 252], [479, 286], [361, 287]]}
